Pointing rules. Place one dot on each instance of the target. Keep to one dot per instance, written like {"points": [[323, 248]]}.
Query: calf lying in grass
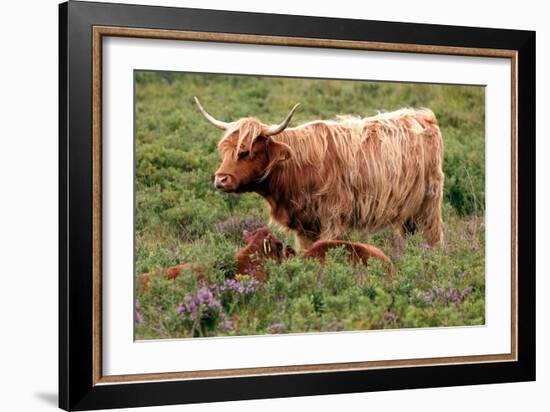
{"points": [[359, 252], [262, 244], [173, 272]]}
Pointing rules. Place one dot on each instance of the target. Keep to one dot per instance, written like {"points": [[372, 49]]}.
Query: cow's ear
{"points": [[246, 235], [289, 251], [278, 151]]}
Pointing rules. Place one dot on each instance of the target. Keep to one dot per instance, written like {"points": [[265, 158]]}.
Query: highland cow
{"points": [[325, 176]]}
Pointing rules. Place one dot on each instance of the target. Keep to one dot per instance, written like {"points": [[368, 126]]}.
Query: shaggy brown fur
{"points": [[359, 252], [262, 244], [323, 177], [173, 272]]}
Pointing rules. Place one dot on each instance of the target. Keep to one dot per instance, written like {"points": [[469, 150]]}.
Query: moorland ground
{"points": [[180, 216]]}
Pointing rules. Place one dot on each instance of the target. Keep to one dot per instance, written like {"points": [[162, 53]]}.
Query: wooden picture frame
{"points": [[82, 28]]}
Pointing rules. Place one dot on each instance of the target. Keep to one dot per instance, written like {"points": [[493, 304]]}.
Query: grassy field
{"points": [[180, 217]]}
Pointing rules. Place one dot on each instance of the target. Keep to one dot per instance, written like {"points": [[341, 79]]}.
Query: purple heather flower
{"points": [[277, 327], [240, 287], [466, 292], [181, 309], [204, 295], [446, 296], [451, 295], [203, 311], [226, 324], [428, 297], [204, 299]]}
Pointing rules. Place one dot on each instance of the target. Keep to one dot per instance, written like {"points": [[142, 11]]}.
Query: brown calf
{"points": [[359, 252], [173, 272], [262, 244]]}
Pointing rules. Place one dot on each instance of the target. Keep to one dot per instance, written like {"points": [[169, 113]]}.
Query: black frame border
{"points": [[76, 387]]}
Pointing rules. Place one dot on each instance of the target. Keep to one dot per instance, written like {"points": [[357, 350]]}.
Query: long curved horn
{"points": [[210, 118], [280, 127]]}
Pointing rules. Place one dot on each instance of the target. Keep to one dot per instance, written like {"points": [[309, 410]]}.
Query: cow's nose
{"points": [[220, 181]]}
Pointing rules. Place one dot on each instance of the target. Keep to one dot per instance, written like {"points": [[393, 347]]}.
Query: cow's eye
{"points": [[244, 155]]}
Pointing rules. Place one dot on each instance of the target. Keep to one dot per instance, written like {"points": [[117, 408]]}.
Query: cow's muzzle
{"points": [[224, 182]]}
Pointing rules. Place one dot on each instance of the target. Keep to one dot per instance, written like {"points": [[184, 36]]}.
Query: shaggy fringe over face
{"points": [[357, 172]]}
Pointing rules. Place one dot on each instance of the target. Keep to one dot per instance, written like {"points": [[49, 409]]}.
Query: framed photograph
{"points": [[256, 206]]}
